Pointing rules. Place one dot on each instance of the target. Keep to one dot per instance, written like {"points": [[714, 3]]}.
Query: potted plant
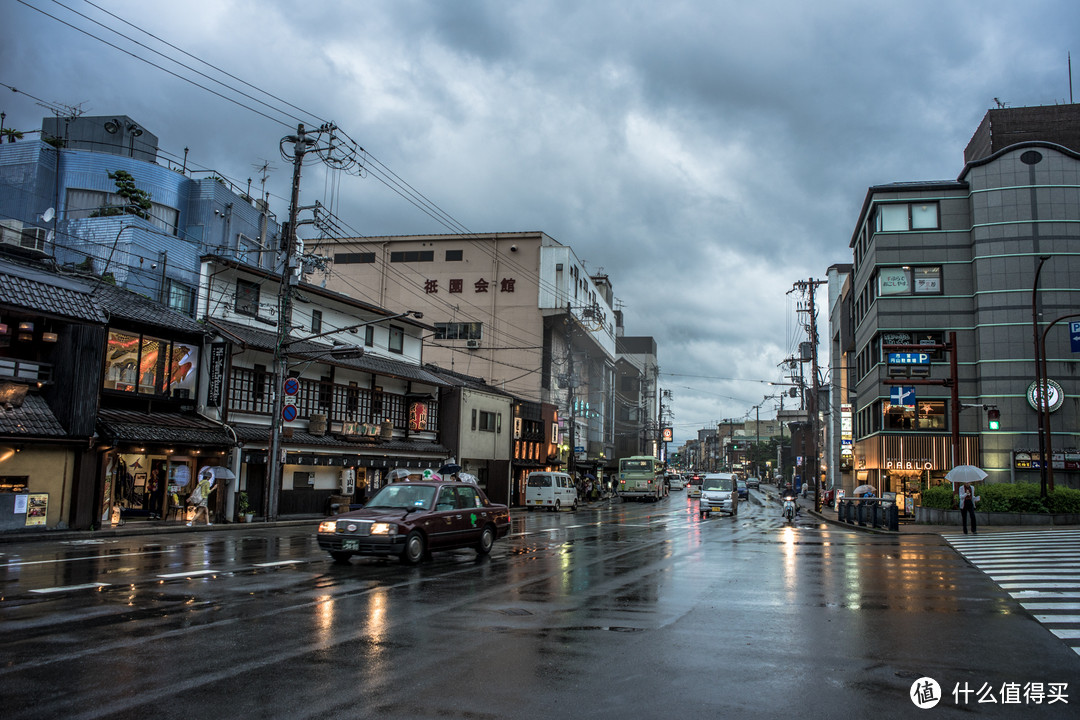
{"points": [[243, 507]]}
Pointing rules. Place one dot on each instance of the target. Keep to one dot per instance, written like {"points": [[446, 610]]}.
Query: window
{"points": [[150, 366], [247, 298], [85, 203], [316, 322], [369, 336], [454, 255], [459, 331], [926, 415], [487, 421], [397, 340], [412, 256], [901, 217], [353, 258], [258, 386], [179, 297], [909, 281]]}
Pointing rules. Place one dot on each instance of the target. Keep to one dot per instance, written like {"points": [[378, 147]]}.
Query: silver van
{"points": [[551, 490], [719, 493]]}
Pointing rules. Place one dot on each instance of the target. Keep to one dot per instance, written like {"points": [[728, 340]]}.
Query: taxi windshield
{"points": [[404, 496]]}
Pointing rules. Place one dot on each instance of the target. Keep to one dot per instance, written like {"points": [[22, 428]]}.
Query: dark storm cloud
{"points": [[705, 155]]}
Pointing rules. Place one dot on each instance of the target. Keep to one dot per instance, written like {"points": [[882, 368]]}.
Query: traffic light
{"points": [[993, 417]]}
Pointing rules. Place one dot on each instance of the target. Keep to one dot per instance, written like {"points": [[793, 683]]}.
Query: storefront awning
{"points": [[125, 426]]}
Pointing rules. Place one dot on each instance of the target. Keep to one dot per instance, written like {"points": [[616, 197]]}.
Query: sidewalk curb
{"points": [[143, 528]]}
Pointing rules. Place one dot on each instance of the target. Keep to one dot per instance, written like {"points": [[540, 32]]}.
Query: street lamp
{"points": [[275, 459]]}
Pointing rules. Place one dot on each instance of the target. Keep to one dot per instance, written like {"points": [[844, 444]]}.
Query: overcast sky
{"points": [[704, 155]]}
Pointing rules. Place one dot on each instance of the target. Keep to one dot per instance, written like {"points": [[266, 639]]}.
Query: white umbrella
{"points": [[217, 472], [962, 474], [469, 478], [862, 489]]}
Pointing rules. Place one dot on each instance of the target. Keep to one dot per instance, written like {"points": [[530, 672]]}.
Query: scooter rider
{"points": [[789, 492]]}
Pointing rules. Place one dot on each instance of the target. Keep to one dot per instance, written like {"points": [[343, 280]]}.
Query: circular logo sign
{"points": [[1055, 396], [925, 693]]}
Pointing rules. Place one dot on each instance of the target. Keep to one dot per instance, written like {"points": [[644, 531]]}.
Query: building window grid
{"points": [[340, 403]]}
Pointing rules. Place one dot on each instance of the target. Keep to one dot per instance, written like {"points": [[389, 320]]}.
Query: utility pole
{"points": [[275, 462], [810, 288], [571, 461]]}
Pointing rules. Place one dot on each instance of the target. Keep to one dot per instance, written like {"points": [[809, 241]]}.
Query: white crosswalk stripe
{"points": [[1038, 568]]}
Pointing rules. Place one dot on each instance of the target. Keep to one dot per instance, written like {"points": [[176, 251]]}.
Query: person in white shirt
{"points": [[968, 498]]}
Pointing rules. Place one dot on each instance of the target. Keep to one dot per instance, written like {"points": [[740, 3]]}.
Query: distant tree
{"points": [[136, 201], [11, 134]]}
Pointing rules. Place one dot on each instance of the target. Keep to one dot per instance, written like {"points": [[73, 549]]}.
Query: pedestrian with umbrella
{"points": [[965, 476]]}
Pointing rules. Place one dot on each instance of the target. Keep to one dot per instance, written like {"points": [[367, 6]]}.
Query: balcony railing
{"points": [[251, 392], [27, 370]]}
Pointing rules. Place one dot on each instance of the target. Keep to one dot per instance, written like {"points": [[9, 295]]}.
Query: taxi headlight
{"points": [[381, 528], [328, 526]]}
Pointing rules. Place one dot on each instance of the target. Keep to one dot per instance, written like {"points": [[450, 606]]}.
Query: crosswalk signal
{"points": [[993, 417]]}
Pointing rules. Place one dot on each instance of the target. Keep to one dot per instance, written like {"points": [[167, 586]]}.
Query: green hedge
{"points": [[1007, 497]]}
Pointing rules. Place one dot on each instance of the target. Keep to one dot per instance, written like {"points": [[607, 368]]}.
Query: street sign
{"points": [[288, 413], [909, 358], [292, 386], [902, 395], [1074, 336]]}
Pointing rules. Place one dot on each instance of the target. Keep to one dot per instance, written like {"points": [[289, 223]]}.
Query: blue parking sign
{"points": [[902, 395], [1074, 336]]}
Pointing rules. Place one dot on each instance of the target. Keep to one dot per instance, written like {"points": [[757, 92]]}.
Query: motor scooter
{"points": [[789, 508]]}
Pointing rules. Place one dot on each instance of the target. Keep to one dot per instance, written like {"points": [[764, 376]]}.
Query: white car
{"points": [[719, 493], [676, 482]]}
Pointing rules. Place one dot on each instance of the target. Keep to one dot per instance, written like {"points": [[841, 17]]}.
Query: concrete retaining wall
{"points": [[934, 516]]}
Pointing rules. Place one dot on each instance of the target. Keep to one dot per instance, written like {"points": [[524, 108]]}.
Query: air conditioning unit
{"points": [[348, 481], [34, 238], [472, 344], [13, 232]]}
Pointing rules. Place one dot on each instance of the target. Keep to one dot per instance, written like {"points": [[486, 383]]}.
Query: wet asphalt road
{"points": [[613, 611]]}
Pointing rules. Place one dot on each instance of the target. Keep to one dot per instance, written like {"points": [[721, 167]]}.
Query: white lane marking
{"points": [[1066, 634], [189, 573], [1058, 618], [66, 588], [20, 563], [1034, 604], [279, 562]]}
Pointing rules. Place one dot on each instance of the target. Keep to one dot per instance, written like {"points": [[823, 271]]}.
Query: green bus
{"points": [[641, 477]]}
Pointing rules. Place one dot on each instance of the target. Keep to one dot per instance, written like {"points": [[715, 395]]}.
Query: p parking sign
{"points": [[1074, 336]]}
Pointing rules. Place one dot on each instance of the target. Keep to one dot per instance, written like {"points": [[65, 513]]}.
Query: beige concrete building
{"points": [[517, 309]]}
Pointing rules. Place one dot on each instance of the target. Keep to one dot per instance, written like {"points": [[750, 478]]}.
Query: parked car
{"points": [[411, 519], [551, 490], [693, 485], [743, 488], [754, 483], [719, 493]]}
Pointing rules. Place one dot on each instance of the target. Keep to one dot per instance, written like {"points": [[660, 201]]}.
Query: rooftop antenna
{"points": [[1070, 78]]}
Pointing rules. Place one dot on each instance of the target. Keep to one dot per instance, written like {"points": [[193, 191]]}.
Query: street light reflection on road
{"points": [[787, 536]]}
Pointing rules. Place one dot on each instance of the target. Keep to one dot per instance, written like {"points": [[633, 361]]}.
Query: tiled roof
{"points": [[260, 434], [49, 293], [160, 427], [369, 363], [31, 419], [127, 305]]}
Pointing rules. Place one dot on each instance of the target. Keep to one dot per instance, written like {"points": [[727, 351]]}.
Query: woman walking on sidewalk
{"points": [[968, 498]]}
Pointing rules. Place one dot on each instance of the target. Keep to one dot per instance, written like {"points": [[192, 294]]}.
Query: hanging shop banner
{"points": [[418, 415], [218, 354]]}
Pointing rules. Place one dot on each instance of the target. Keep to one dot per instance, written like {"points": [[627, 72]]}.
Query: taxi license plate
{"points": [[350, 544]]}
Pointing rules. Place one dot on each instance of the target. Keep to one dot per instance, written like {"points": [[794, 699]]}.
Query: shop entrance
{"points": [[256, 487]]}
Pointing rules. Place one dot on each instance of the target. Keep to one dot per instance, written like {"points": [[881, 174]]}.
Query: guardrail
{"points": [[868, 512]]}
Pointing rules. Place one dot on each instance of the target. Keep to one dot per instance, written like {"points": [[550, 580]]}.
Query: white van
{"points": [[551, 490]]}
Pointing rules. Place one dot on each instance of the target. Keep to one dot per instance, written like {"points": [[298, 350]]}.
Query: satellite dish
{"points": [[48, 215]]}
